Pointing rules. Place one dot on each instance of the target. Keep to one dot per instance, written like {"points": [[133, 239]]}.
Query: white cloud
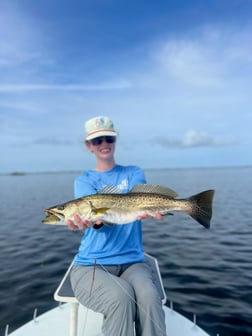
{"points": [[207, 57], [189, 62], [109, 85], [191, 139]]}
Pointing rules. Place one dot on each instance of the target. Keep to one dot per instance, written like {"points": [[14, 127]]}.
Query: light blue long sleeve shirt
{"points": [[117, 244]]}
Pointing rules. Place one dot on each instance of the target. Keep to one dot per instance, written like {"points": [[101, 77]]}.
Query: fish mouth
{"points": [[53, 217]]}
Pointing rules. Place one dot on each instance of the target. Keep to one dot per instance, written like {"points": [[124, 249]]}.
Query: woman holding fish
{"points": [[109, 273]]}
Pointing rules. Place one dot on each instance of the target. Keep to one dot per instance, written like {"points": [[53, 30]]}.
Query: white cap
{"points": [[99, 126]]}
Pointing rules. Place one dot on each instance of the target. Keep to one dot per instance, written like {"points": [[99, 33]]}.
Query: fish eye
{"points": [[61, 207]]}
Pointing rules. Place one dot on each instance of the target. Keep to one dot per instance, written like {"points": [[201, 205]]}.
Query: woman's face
{"points": [[103, 147]]}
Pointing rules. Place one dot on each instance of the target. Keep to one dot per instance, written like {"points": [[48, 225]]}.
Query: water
{"points": [[207, 272]]}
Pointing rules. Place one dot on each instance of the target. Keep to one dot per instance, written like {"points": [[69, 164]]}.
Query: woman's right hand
{"points": [[80, 224]]}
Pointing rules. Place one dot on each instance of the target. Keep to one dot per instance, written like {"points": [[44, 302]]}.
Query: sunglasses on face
{"points": [[98, 141]]}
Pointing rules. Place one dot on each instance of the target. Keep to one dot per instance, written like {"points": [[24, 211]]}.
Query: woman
{"points": [[109, 273]]}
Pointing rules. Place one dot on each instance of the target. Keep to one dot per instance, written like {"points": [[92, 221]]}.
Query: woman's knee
{"points": [[123, 294], [148, 295]]}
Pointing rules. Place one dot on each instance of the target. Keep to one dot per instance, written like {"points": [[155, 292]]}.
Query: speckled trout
{"points": [[113, 207]]}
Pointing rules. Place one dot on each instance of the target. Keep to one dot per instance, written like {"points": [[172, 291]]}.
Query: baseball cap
{"points": [[99, 126]]}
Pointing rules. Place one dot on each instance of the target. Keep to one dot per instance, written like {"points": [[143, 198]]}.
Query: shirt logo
{"points": [[123, 185]]}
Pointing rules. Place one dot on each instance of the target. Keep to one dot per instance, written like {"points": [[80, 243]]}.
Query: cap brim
{"points": [[100, 133]]}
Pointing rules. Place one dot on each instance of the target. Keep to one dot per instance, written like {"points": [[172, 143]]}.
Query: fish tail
{"points": [[201, 207]]}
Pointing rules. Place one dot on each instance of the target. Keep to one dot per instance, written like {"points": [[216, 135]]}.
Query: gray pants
{"points": [[124, 294]]}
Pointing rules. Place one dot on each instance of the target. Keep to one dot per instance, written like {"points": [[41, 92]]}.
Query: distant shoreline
{"points": [[20, 173], [23, 173]]}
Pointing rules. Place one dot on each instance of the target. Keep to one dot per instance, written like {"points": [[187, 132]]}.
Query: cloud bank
{"points": [[192, 139]]}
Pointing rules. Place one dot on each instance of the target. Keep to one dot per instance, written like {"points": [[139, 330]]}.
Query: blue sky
{"points": [[175, 77]]}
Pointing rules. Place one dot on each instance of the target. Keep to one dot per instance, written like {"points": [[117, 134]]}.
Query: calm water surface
{"points": [[207, 272]]}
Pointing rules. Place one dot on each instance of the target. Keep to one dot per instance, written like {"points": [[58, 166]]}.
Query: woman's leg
{"points": [[105, 293], [150, 314]]}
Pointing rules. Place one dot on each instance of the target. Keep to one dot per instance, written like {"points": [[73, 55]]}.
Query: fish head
{"points": [[59, 214], [55, 215]]}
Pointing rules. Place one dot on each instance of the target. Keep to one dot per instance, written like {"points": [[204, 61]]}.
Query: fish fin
{"points": [[202, 207], [110, 189], [99, 211], [154, 189], [96, 211]]}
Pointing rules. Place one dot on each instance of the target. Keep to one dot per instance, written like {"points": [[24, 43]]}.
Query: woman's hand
{"points": [[81, 224]]}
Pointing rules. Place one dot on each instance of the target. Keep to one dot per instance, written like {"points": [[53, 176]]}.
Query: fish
{"points": [[111, 206]]}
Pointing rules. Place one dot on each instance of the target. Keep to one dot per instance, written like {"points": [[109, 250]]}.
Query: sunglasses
{"points": [[98, 141]]}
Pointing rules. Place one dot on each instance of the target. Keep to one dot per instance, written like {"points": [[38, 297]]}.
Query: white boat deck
{"points": [[56, 322]]}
